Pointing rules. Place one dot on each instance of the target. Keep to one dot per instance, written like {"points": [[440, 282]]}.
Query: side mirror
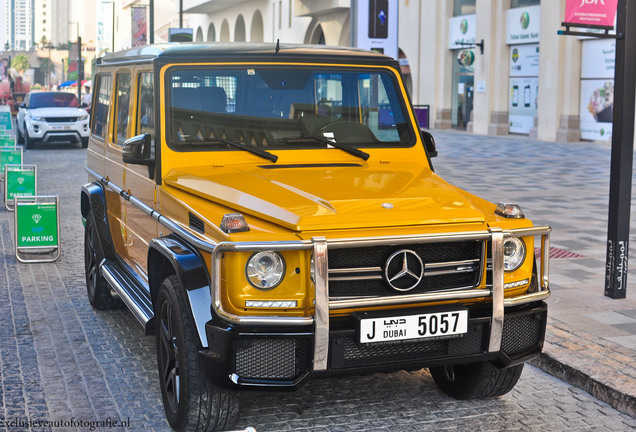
{"points": [[84, 104], [22, 105], [429, 143], [136, 150]]}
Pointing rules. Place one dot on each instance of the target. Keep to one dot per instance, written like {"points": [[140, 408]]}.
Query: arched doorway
{"points": [[199, 35], [211, 33], [239, 29], [315, 35], [256, 30], [225, 31]]}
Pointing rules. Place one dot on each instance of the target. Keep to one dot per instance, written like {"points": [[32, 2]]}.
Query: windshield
{"points": [[49, 100], [286, 108]]}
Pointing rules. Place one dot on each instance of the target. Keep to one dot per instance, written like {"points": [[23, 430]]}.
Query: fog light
{"points": [[516, 284], [281, 304]]}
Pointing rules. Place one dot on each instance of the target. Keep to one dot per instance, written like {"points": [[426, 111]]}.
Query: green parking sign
{"points": [[19, 180], [7, 141], [10, 155], [37, 228], [5, 118]]}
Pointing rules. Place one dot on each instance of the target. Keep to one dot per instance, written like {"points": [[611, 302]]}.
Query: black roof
{"points": [[244, 51]]}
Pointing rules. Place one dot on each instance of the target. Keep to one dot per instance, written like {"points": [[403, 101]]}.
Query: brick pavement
{"points": [[591, 339], [59, 358]]}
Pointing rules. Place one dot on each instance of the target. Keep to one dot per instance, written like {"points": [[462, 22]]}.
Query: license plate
{"points": [[419, 326], [61, 127]]}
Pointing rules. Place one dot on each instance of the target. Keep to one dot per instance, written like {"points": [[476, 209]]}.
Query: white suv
{"points": [[52, 117]]}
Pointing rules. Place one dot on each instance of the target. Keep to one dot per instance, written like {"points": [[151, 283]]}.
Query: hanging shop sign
{"points": [[466, 58], [523, 25], [462, 31], [597, 89], [590, 12]]}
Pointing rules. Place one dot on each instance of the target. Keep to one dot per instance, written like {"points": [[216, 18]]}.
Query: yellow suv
{"points": [[270, 212]]}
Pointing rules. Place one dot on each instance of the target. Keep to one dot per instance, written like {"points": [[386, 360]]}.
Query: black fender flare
{"points": [[93, 197], [172, 255]]}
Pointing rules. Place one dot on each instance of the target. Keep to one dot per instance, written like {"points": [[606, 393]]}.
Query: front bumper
{"points": [[241, 347], [281, 358]]}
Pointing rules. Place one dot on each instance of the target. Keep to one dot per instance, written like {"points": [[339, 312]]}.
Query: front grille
{"points": [[60, 119], [523, 333], [357, 272], [346, 352], [272, 358]]}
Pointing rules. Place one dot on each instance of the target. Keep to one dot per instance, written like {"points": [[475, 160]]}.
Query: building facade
{"points": [[487, 66]]}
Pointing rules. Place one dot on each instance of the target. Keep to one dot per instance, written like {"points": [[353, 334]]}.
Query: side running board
{"points": [[133, 296]]}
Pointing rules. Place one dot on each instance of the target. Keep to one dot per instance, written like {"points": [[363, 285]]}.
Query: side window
{"points": [[102, 103], [146, 100], [122, 106]]}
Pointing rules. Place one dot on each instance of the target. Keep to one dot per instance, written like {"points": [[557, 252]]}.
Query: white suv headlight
{"points": [[265, 270], [514, 253], [37, 118]]}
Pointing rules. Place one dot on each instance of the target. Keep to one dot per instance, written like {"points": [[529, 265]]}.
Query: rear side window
{"points": [[102, 103], [122, 107]]}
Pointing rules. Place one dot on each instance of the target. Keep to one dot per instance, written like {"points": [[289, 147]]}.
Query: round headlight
{"points": [[514, 253], [265, 270]]}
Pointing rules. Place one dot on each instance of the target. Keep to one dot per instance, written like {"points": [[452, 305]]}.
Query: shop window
{"points": [[464, 7], [523, 3]]}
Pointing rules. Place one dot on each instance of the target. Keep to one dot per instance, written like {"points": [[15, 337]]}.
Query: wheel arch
{"points": [[93, 197], [171, 255]]}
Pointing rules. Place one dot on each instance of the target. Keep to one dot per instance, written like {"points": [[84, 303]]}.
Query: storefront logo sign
{"points": [[524, 20], [463, 26]]}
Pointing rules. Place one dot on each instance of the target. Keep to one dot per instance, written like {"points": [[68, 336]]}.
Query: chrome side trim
{"points": [[496, 326], [321, 281]]}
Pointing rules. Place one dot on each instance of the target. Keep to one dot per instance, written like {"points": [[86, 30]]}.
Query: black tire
{"points": [[28, 142], [97, 288], [20, 138], [190, 400], [84, 142], [477, 380]]}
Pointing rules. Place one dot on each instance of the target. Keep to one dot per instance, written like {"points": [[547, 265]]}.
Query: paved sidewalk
{"points": [[591, 339]]}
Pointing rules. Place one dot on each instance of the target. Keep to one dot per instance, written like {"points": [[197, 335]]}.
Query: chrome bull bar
{"points": [[320, 247]]}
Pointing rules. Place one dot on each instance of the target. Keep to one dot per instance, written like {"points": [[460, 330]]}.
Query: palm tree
{"points": [[47, 66], [20, 63]]}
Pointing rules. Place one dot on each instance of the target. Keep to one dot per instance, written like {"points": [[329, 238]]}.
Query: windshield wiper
{"points": [[254, 150], [351, 150]]}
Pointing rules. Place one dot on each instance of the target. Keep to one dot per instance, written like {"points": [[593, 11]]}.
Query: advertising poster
{"points": [[522, 105], [597, 89], [375, 26], [139, 30], [597, 105], [591, 12], [105, 14], [524, 60]]}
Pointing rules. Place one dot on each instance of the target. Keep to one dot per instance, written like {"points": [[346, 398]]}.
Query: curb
{"points": [[605, 392]]}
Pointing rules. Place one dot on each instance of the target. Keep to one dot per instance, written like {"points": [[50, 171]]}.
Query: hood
{"points": [[57, 112], [322, 196]]}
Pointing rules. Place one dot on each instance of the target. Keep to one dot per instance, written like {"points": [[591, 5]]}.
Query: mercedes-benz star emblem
{"points": [[403, 270]]}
